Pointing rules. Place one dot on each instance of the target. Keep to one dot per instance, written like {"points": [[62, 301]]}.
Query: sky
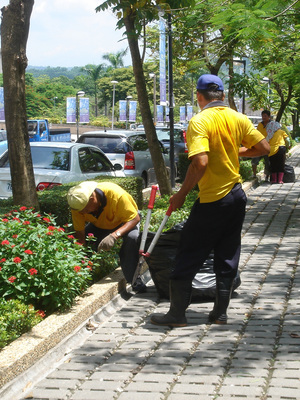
{"points": [[69, 33]]}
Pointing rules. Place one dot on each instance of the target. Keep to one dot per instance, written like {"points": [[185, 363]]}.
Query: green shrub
{"points": [[40, 263], [16, 318]]}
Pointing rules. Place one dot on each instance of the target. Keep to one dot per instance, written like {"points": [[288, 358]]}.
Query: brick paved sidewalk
{"points": [[255, 356]]}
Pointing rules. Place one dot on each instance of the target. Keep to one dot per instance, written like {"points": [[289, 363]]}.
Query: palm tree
{"points": [[95, 72], [116, 59]]}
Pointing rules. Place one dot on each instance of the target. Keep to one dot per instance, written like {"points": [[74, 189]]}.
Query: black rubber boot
{"points": [[180, 297], [223, 294]]}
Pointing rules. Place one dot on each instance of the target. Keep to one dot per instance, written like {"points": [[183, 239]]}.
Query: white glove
{"points": [[107, 243]]}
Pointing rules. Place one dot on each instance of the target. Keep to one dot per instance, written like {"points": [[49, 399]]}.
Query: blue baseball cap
{"points": [[205, 81]]}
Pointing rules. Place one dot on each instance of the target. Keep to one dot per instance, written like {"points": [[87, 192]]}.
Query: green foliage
{"points": [[16, 318], [40, 263]]}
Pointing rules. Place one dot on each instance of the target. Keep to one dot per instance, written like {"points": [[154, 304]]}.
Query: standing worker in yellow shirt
{"points": [[108, 212], [277, 139], [214, 137]]}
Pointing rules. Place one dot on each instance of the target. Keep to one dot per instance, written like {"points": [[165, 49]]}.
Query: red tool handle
{"points": [[169, 211], [152, 196]]}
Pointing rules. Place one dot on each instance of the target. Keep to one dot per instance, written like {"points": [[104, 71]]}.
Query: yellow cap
{"points": [[78, 196]]}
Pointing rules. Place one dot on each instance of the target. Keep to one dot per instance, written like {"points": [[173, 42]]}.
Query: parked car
{"points": [[163, 135], [58, 163], [128, 149]]}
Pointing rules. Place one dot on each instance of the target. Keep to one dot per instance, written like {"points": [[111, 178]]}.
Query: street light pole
{"points": [[128, 98], [153, 76], [113, 104], [80, 93]]}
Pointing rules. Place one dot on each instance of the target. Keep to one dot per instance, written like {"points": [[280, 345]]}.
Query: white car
{"points": [[57, 163]]}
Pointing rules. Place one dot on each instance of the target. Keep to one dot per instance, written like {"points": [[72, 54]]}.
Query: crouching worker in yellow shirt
{"points": [[109, 213]]}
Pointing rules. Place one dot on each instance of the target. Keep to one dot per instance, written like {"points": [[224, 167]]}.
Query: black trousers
{"points": [[212, 226], [277, 161], [129, 252]]}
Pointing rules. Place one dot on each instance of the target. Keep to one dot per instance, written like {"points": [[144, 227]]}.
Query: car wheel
{"points": [[145, 180]]}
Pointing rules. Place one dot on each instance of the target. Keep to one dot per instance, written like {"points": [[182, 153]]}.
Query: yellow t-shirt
{"points": [[120, 208], [262, 129], [220, 131], [277, 141]]}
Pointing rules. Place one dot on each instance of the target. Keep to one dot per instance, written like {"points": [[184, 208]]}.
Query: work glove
{"points": [[107, 243]]}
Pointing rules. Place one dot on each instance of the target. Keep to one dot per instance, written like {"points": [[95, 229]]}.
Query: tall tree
{"points": [[95, 72], [115, 59], [133, 15], [14, 35]]}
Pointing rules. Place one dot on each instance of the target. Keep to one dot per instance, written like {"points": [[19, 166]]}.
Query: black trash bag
{"points": [[289, 174], [162, 259]]}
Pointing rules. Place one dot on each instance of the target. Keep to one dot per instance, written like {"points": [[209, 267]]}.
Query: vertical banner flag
{"points": [[182, 113], [189, 112], [162, 62], [132, 111], [167, 114], [71, 109], [160, 113], [84, 110], [122, 110], [2, 116]]}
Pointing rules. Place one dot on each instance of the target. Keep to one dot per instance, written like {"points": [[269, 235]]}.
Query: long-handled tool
{"points": [[152, 244], [145, 232]]}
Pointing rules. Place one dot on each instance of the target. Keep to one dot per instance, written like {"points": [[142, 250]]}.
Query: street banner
{"points": [[132, 111], [189, 112], [160, 113], [71, 109], [167, 114], [162, 62], [182, 113], [84, 110], [2, 116], [122, 110]]}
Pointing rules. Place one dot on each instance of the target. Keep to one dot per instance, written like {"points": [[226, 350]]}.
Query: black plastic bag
{"points": [[162, 260], [289, 174]]}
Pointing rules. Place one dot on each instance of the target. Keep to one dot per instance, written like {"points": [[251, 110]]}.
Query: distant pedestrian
{"points": [[214, 137], [277, 140], [261, 127]]}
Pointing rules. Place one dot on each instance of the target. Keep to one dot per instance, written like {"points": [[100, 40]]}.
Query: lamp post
{"points": [[153, 76], [128, 98], [244, 73], [80, 93], [113, 104], [267, 80]]}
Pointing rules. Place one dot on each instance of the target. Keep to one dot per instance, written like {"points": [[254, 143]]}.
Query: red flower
{"points": [[28, 251], [61, 229], [38, 215], [16, 219], [91, 234], [15, 236], [71, 237], [5, 242], [4, 220], [26, 223], [2, 260], [77, 268], [49, 233], [33, 271], [89, 267], [12, 279], [46, 219], [79, 244], [51, 228], [17, 260], [41, 313], [23, 208], [0, 268]]}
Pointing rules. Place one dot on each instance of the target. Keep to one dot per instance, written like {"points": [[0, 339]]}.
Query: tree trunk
{"points": [[230, 88], [283, 102], [14, 35], [154, 147]]}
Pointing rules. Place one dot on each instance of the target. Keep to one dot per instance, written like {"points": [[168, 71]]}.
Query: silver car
{"points": [[128, 149], [57, 163]]}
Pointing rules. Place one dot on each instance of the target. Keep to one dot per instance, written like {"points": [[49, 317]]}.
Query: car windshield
{"points": [[46, 157], [107, 144], [164, 135]]}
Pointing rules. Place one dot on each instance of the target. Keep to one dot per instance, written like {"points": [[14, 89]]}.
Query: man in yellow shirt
{"points": [[214, 137], [108, 212]]}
